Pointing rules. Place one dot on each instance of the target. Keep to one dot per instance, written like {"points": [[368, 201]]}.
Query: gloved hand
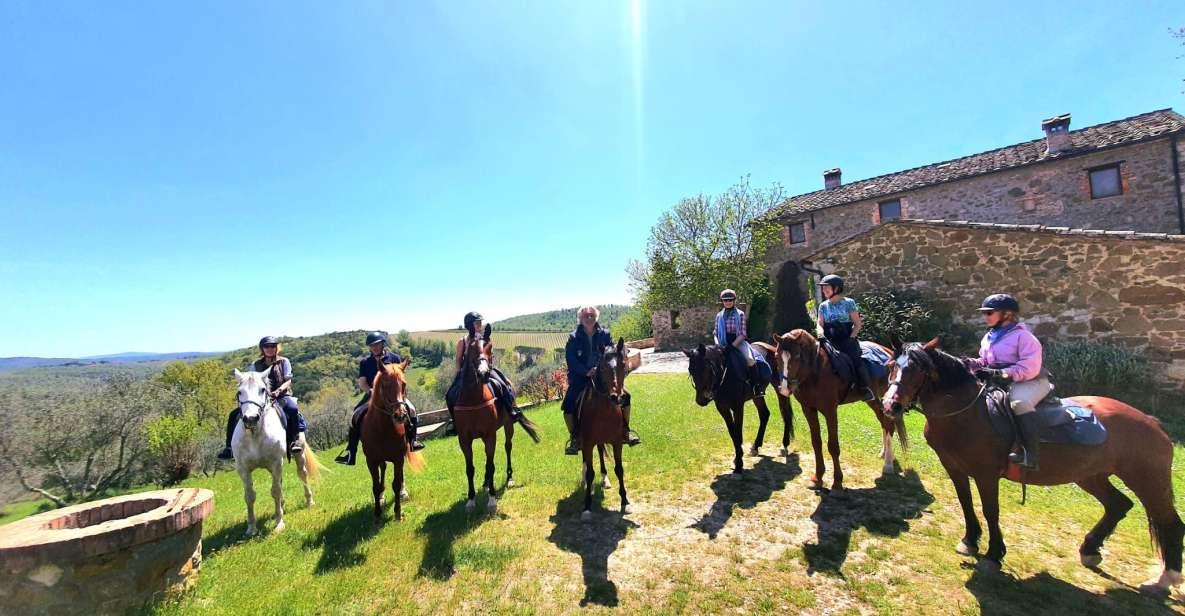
{"points": [[993, 375]]}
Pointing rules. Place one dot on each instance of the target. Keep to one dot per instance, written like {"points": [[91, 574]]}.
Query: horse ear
{"points": [[701, 349], [775, 339], [238, 375], [932, 344], [688, 352], [406, 361], [620, 344], [896, 343], [485, 333]]}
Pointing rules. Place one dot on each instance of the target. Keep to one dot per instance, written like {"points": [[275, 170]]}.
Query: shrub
{"points": [[174, 443], [539, 383], [1097, 368], [633, 325], [912, 317]]}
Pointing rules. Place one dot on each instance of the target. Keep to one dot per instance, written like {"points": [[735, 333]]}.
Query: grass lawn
{"points": [[697, 542]]}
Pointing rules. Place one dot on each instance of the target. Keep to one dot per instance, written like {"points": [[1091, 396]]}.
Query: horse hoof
{"points": [[736, 475], [988, 566], [1090, 561], [279, 528], [586, 516], [492, 505], [888, 471], [1161, 586], [403, 495], [754, 451], [469, 506], [786, 451], [308, 504], [966, 550], [605, 483], [626, 509], [250, 531], [510, 483]]}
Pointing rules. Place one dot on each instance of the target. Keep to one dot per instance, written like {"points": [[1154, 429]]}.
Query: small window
{"points": [[798, 233], [675, 319], [1104, 182], [890, 210]]}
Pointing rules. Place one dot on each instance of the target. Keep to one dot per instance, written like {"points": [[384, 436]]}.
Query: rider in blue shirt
{"points": [[368, 368]]}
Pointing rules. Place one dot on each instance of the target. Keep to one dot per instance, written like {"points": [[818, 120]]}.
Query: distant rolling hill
{"points": [[562, 320], [8, 364]]}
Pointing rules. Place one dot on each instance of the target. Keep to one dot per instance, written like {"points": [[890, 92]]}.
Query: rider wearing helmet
{"points": [[503, 390], [279, 379], [839, 322], [368, 368], [1010, 354], [732, 329]]}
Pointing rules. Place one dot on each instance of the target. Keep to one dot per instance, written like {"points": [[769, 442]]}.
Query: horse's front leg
{"points": [[302, 471], [278, 493], [604, 473], [397, 487], [833, 447], [509, 446], [787, 422], [467, 449], [376, 487], [491, 447], [734, 432], [249, 497], [887, 428], [586, 458], [762, 421], [812, 420], [619, 470], [989, 500], [972, 531]]}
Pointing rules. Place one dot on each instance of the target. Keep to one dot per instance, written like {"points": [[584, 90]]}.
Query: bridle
{"points": [[268, 402], [927, 380], [711, 364]]}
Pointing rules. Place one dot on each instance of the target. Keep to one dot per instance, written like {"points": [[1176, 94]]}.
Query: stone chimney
{"points": [[1057, 134], [831, 178]]}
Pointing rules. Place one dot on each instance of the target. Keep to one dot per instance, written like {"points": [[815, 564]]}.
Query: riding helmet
{"points": [[728, 294], [1000, 301], [835, 282], [374, 337], [268, 340], [472, 318]]}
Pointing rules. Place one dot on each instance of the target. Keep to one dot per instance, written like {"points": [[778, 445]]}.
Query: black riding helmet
{"points": [[267, 340], [728, 294], [833, 281], [470, 319], [374, 337], [1000, 301]]}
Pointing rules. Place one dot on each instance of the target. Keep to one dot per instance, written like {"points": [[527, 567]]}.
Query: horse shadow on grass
{"points": [[758, 484], [594, 541], [443, 529], [883, 510], [1003, 595], [340, 539]]}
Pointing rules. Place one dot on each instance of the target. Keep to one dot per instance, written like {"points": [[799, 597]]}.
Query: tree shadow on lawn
{"points": [[443, 529], [757, 485], [594, 541], [1003, 595], [884, 510], [340, 539]]}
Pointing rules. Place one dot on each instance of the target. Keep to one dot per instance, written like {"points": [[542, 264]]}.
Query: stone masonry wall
{"points": [[1055, 193], [1124, 288], [694, 325]]}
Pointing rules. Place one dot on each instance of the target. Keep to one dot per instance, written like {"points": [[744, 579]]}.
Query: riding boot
{"points": [[413, 429], [231, 420], [292, 430], [348, 456], [631, 437], [865, 380], [450, 429], [573, 447], [1030, 428]]}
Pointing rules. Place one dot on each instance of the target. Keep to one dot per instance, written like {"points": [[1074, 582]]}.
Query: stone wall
{"points": [[1120, 287], [684, 327]]}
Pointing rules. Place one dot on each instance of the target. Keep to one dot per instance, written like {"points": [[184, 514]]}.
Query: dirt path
{"points": [[653, 363]]}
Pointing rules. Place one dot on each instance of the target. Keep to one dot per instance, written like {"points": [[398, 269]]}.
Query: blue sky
{"points": [[180, 178]]}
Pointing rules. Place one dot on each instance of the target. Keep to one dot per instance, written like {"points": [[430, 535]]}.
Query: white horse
{"points": [[259, 442]]}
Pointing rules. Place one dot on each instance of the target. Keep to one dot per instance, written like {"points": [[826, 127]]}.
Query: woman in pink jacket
{"points": [[1011, 355]]}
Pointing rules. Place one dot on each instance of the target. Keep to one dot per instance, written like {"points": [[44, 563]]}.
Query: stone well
{"points": [[105, 556]]}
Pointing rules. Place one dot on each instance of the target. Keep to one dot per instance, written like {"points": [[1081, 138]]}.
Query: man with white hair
{"points": [[583, 353]]}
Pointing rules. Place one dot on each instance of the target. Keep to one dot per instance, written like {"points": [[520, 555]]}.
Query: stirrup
{"points": [[631, 438], [573, 447], [1023, 459], [416, 445], [226, 454], [869, 395], [295, 447], [346, 457]]}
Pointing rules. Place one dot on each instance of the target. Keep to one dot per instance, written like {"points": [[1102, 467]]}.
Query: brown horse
{"points": [[715, 381], [601, 423], [1137, 450], [384, 436], [477, 416], [806, 373]]}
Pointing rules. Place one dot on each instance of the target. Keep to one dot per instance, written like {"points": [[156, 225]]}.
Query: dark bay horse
{"points": [[384, 436], [807, 374], [601, 422], [478, 416], [1137, 450], [716, 381]]}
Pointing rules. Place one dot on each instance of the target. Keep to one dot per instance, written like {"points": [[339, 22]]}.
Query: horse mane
{"points": [[810, 345], [950, 369]]}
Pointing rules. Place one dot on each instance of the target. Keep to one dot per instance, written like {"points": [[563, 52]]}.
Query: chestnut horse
{"points": [[806, 373], [384, 436], [601, 423], [1137, 450], [477, 416], [716, 381]]}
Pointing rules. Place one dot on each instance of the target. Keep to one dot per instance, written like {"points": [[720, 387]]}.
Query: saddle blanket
{"points": [[1062, 423], [874, 357]]}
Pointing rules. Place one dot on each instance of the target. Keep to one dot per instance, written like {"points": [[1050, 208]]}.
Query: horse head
{"points": [[389, 391], [253, 397], [611, 370], [477, 357], [913, 367], [798, 352], [705, 364]]}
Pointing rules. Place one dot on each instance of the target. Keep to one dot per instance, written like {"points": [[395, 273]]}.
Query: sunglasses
{"points": [[267, 346]]}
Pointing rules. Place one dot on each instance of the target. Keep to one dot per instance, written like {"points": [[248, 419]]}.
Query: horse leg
{"points": [[605, 485], [787, 422], [970, 542], [738, 422], [491, 446], [302, 471], [989, 501], [1115, 507], [397, 487], [734, 434], [887, 428], [833, 447], [587, 459], [509, 446], [762, 421], [467, 449], [619, 470], [1153, 485], [812, 420], [376, 486], [278, 492], [249, 496]]}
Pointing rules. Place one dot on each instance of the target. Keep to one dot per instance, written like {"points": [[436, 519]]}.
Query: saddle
{"points": [[1062, 423], [874, 357]]}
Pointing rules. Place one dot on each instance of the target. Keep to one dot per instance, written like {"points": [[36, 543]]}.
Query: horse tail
{"points": [[415, 461], [902, 434], [312, 464], [529, 426]]}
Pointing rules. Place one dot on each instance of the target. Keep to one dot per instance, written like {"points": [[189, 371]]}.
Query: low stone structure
{"points": [[1120, 287], [103, 557], [684, 327]]}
